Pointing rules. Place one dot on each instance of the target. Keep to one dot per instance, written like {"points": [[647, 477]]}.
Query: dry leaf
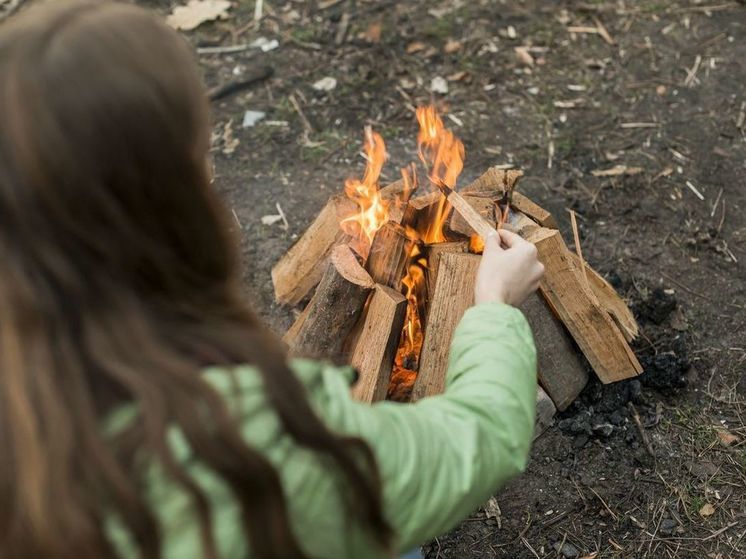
{"points": [[523, 56], [197, 12], [707, 510], [458, 76], [616, 171], [230, 143], [452, 46], [415, 46], [492, 510], [726, 437], [373, 33]]}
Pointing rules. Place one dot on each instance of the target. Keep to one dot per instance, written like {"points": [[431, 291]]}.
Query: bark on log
{"points": [[334, 308], [611, 301], [388, 256], [301, 267], [485, 206], [375, 348], [292, 333], [561, 367], [453, 295], [598, 337]]}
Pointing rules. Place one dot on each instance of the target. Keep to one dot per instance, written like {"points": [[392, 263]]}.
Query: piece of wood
{"points": [[434, 253], [561, 368], [375, 348], [479, 224], [598, 337], [494, 182], [485, 206], [301, 267], [527, 206], [545, 411], [453, 295], [611, 301], [389, 254], [334, 308], [292, 333]]}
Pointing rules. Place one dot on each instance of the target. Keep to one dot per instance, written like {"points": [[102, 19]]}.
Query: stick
{"points": [[232, 88], [476, 221], [578, 250], [640, 429], [258, 9]]}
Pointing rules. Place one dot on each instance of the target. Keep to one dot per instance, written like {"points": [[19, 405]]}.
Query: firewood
{"points": [[534, 211], [545, 411], [561, 368], [334, 308], [494, 182], [375, 348], [389, 253], [478, 223], [453, 295], [434, 253], [484, 206], [292, 333], [590, 325], [611, 301], [301, 268]]}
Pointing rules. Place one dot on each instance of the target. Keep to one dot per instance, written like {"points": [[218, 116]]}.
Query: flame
{"points": [[476, 244], [373, 209]]}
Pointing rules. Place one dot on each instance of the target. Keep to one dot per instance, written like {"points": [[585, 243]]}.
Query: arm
{"points": [[443, 456]]}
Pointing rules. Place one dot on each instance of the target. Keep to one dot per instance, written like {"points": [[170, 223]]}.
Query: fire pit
{"points": [[394, 268]]}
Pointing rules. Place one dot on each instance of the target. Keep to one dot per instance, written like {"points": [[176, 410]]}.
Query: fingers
{"points": [[509, 239], [492, 242]]}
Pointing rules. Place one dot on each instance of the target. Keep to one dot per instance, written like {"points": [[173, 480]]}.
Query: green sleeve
{"points": [[444, 456]]}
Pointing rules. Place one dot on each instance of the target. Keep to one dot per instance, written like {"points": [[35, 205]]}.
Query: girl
{"points": [[144, 412]]}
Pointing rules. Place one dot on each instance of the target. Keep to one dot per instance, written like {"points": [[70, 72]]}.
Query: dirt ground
{"points": [[656, 86]]}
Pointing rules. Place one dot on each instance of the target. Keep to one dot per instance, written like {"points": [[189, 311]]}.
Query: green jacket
{"points": [[439, 458]]}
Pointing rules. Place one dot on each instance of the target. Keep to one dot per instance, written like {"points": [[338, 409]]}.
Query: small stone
{"points": [[604, 430], [580, 441], [566, 424], [667, 526], [567, 550]]}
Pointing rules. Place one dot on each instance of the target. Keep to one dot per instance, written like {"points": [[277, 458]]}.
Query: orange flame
{"points": [[373, 209]]}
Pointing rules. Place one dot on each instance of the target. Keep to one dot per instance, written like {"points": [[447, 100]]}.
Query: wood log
{"points": [[611, 301], [453, 295], [494, 182], [479, 224], [485, 206], [598, 337], [545, 412], [561, 367], [533, 210], [389, 254], [292, 333], [375, 348], [301, 267], [434, 253], [334, 308]]}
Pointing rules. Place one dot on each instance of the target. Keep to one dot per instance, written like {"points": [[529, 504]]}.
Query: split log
{"points": [[301, 268], [478, 223], [453, 295], [533, 210], [590, 325], [434, 253], [334, 308], [561, 368], [494, 182], [375, 348], [611, 301], [545, 411], [485, 206], [389, 253]]}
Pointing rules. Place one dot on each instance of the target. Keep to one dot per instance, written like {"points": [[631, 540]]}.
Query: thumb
{"points": [[492, 242]]}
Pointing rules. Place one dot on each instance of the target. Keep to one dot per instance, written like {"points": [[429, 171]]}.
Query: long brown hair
{"points": [[118, 284]]}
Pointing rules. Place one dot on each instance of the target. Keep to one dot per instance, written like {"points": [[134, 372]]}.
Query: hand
{"points": [[510, 274]]}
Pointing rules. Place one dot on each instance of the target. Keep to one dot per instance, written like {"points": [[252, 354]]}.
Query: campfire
{"points": [[393, 269]]}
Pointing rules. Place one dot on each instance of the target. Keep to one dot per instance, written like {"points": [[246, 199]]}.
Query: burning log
{"points": [[453, 295], [334, 308], [389, 254], [376, 343], [484, 206], [561, 369], [301, 268], [595, 332]]}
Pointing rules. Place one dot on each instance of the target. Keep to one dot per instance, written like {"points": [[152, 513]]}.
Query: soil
{"points": [[666, 99]]}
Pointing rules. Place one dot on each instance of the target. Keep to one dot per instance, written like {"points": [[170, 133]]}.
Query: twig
{"points": [[258, 8], [231, 88], [344, 23], [693, 188], [304, 120], [229, 49], [10, 9], [741, 116], [578, 250], [286, 225], [718, 532], [639, 125], [603, 31], [715, 205], [643, 435], [238, 221], [611, 512], [700, 295], [692, 74]]}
